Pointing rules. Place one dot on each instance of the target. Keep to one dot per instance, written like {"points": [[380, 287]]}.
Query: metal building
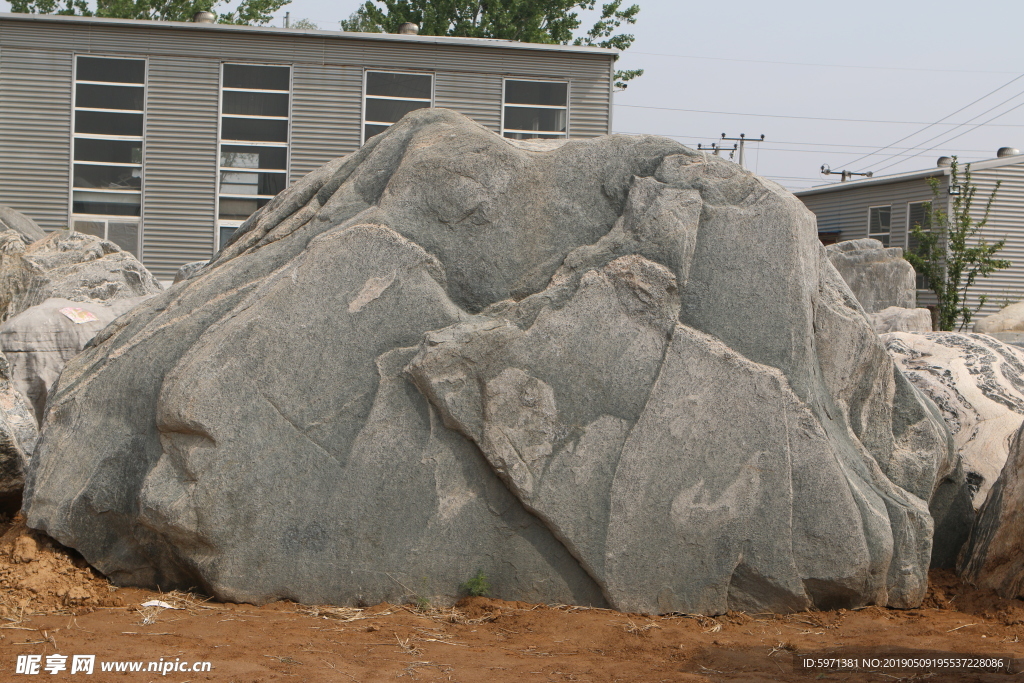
{"points": [[887, 207], [164, 136]]}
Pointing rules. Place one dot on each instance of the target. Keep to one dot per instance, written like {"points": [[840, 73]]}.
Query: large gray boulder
{"points": [[567, 365], [67, 265], [39, 341], [27, 229], [878, 275]]}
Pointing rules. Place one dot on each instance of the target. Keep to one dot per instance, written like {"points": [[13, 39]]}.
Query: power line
{"points": [[806, 118], [830, 66], [944, 118], [815, 145], [959, 135]]}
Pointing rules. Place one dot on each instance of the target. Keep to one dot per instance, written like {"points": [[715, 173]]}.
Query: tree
{"points": [[250, 12], [950, 251], [360, 23], [528, 21]]}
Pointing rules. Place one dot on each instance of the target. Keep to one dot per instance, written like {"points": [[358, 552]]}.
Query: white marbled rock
{"points": [[978, 384]]}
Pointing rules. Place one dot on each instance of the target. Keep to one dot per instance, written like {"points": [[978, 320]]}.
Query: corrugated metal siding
{"points": [[145, 40], [326, 110], [589, 107], [847, 210], [181, 131], [35, 133], [1006, 220], [180, 163], [478, 96]]}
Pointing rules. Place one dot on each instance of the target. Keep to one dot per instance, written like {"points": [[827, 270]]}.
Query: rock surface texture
{"points": [[189, 270], [1008, 319], [38, 342], [896, 319], [566, 365], [18, 434], [878, 275], [978, 384], [27, 229], [70, 266], [993, 558]]}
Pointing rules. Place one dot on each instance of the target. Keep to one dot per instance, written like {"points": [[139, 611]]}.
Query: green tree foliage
{"points": [[358, 22], [951, 253], [528, 21], [251, 12]]}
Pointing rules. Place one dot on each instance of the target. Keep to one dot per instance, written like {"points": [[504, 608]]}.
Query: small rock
{"points": [[879, 276], [25, 549]]}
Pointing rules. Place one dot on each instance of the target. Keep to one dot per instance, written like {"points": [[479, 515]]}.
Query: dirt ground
{"points": [[54, 606]]}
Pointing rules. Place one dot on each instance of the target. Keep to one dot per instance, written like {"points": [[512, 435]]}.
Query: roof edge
{"points": [[911, 175], [237, 28]]}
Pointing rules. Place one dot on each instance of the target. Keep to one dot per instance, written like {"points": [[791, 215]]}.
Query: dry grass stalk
{"points": [[709, 624], [631, 627], [407, 648]]}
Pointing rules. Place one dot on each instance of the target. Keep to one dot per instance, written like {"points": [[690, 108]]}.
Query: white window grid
{"points": [[366, 72], [910, 218], [218, 222], [879, 234], [921, 282], [106, 219], [565, 108]]}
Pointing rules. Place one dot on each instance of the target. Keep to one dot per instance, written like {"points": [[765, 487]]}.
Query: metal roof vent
{"points": [[409, 29], [1007, 152], [944, 162], [204, 18]]}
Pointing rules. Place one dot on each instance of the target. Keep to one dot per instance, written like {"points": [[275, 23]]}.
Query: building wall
{"points": [[36, 60], [180, 162], [35, 132], [847, 210], [1006, 221]]}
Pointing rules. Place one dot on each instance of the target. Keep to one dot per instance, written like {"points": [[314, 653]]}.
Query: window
{"points": [[879, 219], [106, 173], [253, 156], [535, 109], [918, 213], [390, 95]]}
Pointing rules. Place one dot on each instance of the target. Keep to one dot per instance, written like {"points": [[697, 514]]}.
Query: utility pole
{"points": [[716, 149], [742, 139], [843, 175], [286, 17]]}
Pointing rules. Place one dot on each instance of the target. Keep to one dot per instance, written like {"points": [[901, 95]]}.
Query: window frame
{"points": [[362, 112], [219, 223], [888, 232], [555, 135], [920, 281], [926, 202], [106, 219]]}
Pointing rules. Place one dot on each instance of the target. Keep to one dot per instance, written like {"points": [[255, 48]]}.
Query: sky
{"points": [[864, 86]]}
